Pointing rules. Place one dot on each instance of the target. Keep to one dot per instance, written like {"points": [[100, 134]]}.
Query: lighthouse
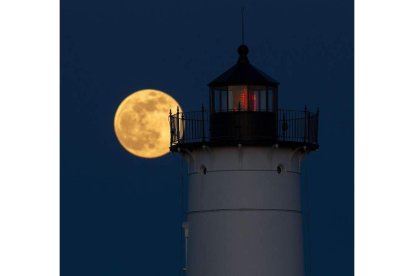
{"points": [[244, 156]]}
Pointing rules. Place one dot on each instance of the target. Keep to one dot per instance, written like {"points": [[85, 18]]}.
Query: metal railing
{"points": [[299, 127], [189, 127]]}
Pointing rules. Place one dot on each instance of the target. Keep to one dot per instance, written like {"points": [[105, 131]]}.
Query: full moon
{"points": [[141, 123]]}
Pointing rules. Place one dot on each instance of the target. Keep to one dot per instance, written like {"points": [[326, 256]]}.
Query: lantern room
{"points": [[243, 88], [243, 103]]}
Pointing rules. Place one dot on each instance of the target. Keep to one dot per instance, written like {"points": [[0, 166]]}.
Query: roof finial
{"points": [[243, 51], [242, 15]]}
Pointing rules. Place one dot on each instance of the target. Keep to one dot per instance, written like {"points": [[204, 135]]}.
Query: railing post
{"points": [[182, 127], [309, 128], [305, 129], [178, 124], [284, 126], [202, 123], [277, 124], [170, 118]]}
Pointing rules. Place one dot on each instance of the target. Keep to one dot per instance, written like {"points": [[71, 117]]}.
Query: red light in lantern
{"points": [[243, 98], [253, 102]]}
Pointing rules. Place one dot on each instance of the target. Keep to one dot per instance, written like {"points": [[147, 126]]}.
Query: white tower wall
{"points": [[244, 218]]}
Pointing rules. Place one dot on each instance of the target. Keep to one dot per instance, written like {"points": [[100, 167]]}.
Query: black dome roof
{"points": [[243, 73]]}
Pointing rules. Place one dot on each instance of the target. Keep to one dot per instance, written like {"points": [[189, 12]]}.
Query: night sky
{"points": [[122, 215]]}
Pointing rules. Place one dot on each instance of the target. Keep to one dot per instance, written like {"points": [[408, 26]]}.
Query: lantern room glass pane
{"points": [[216, 107], [219, 99], [270, 100], [263, 100], [254, 100], [238, 97], [223, 101], [230, 100]]}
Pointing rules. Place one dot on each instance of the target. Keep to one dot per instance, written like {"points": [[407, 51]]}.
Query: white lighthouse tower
{"points": [[244, 154]]}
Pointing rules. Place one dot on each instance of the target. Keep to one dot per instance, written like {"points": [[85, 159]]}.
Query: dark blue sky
{"points": [[122, 215]]}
